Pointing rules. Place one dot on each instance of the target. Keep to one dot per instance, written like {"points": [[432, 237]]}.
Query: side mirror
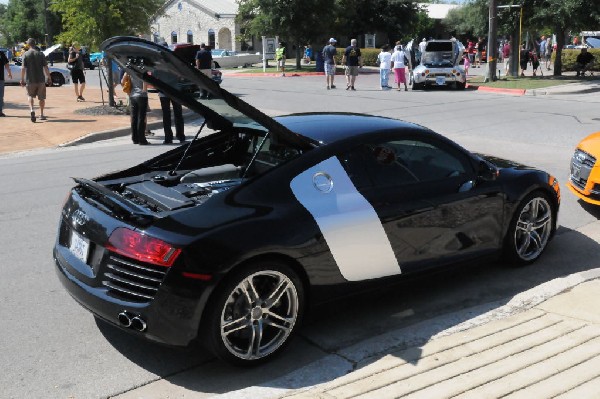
{"points": [[487, 171]]}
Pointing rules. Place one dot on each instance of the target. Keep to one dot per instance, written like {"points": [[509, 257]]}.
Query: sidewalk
{"points": [[549, 351], [64, 123]]}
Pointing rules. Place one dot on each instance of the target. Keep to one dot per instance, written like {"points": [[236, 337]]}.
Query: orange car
{"points": [[584, 180]]}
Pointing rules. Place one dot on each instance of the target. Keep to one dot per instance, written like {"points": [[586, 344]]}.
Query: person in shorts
{"points": [[329, 53], [32, 77], [77, 71], [353, 60]]}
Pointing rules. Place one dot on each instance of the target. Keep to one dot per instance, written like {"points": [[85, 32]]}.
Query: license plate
{"points": [[576, 172], [80, 247], [440, 80]]}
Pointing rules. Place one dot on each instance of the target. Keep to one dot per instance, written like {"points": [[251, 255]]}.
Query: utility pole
{"points": [[492, 46]]}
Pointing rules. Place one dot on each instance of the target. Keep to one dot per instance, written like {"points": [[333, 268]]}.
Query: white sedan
{"points": [[233, 59], [59, 76]]}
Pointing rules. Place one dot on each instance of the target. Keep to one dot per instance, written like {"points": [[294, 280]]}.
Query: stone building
{"points": [[196, 21]]}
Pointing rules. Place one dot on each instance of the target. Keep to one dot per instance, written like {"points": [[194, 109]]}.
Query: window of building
{"points": [[211, 38], [190, 36], [173, 37]]}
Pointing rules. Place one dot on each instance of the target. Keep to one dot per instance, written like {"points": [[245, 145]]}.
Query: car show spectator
{"points": [[32, 77], [584, 62], [506, 55], [138, 100], [280, 57], [204, 62], [523, 59], [353, 60], [399, 61], [385, 63], [4, 64], [329, 53], [77, 70]]}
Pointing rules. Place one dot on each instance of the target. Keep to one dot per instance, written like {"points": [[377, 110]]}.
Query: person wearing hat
{"points": [[280, 57], [329, 53]]}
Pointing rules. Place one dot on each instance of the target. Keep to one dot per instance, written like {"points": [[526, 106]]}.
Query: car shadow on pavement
{"points": [[346, 335]]}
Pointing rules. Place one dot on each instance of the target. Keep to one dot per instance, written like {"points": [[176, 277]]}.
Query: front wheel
{"points": [[530, 230], [255, 313]]}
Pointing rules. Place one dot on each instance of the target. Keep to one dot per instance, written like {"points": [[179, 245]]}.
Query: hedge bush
{"points": [[570, 55]]}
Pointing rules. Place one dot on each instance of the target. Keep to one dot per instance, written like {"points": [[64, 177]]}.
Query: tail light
{"points": [[142, 247]]}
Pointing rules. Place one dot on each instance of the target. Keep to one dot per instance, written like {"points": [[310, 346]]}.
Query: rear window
{"points": [[439, 46]]}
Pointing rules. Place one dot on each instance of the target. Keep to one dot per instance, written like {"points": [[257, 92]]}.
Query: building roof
{"points": [[218, 6]]}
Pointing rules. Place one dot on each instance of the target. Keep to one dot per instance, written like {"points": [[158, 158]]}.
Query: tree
{"points": [[469, 21], [562, 16], [28, 18], [296, 21], [93, 21], [396, 17]]}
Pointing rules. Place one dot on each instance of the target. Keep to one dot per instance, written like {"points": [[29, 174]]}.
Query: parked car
{"points": [[59, 76], [96, 58], [229, 238], [233, 59], [440, 66], [584, 179]]}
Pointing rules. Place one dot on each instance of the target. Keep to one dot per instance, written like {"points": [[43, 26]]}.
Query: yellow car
{"points": [[584, 180]]}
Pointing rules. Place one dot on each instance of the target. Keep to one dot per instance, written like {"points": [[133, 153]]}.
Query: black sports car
{"points": [[228, 239]]}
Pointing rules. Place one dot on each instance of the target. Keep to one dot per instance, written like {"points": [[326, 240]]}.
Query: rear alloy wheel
{"points": [[57, 79], [255, 313], [530, 229]]}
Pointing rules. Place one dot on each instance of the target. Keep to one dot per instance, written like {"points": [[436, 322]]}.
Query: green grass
{"points": [[525, 83], [273, 69]]}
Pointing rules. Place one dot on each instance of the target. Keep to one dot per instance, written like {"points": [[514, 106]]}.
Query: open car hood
{"points": [[162, 68]]}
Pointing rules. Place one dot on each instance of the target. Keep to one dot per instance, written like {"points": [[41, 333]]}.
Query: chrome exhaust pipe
{"points": [[124, 319], [137, 323]]}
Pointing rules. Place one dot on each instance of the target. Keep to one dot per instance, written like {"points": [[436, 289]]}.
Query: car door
{"points": [[428, 198]]}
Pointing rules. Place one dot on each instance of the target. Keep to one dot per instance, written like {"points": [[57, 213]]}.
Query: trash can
{"points": [[319, 62]]}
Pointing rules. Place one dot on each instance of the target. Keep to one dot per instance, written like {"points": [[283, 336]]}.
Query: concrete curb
{"points": [[514, 92], [115, 133]]}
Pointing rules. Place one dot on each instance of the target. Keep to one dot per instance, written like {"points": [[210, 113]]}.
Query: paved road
{"points": [[54, 348]]}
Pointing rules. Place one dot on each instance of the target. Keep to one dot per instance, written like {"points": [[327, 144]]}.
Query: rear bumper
{"points": [[171, 318]]}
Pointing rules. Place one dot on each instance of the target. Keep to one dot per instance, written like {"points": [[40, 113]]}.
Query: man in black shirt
{"points": [[77, 71], [583, 62], [204, 62]]}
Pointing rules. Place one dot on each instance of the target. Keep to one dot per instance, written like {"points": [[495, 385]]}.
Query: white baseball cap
{"points": [[332, 40]]}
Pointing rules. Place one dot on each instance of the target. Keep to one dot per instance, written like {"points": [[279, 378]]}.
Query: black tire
{"points": [[418, 86], [271, 305], [461, 86], [57, 79], [530, 229]]}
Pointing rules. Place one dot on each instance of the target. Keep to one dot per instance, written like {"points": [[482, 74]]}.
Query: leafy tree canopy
{"points": [[90, 22], [23, 19]]}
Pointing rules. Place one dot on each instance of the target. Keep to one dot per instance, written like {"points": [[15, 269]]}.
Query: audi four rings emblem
{"points": [[79, 217]]}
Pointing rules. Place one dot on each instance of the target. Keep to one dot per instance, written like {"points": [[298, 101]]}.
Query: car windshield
{"points": [[217, 52], [439, 54]]}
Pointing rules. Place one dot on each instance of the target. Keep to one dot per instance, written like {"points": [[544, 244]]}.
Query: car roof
{"points": [[172, 75], [326, 128]]}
